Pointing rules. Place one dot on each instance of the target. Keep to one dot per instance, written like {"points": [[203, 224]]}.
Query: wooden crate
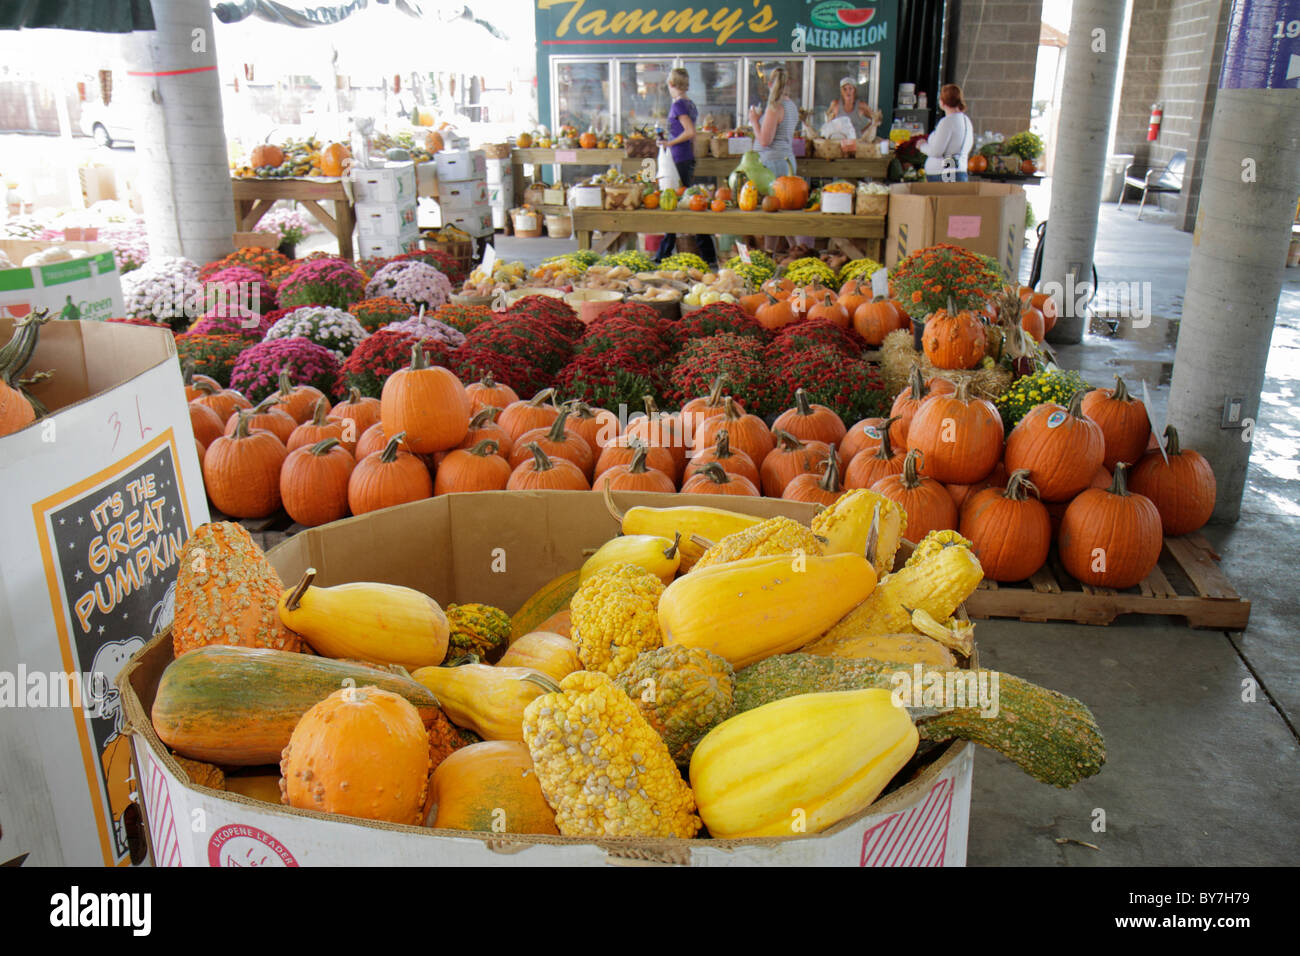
{"points": [[1186, 583]]}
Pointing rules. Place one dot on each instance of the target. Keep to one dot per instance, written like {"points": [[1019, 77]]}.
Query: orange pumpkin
{"points": [[521, 416], [701, 407], [386, 478], [332, 157], [852, 294], [488, 391], [558, 442], [1183, 491], [1061, 447], [266, 154], [712, 479], [775, 313], [926, 502], [831, 309], [732, 460], [960, 436], [483, 425], [266, 417], [718, 205], [953, 340], [314, 483], [875, 319], [320, 428], [587, 140], [361, 410], [1123, 420], [823, 490], [372, 440], [543, 473], [791, 457], [598, 426], [242, 471], [1008, 529], [771, 204], [810, 421], [204, 422], [427, 403], [224, 401], [791, 191], [909, 400], [623, 449], [296, 401], [479, 468], [636, 476], [997, 479], [723, 193], [1110, 538], [698, 202], [870, 465], [663, 430], [865, 436], [749, 433]]}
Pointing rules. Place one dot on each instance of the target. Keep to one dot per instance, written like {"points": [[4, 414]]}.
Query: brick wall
{"points": [[1143, 75], [997, 49], [1193, 57]]}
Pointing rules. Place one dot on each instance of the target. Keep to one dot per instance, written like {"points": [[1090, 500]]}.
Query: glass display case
{"points": [[582, 94], [643, 97], [715, 89], [827, 73]]}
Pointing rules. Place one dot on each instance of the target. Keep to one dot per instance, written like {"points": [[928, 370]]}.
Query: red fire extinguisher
{"points": [[1153, 128]]}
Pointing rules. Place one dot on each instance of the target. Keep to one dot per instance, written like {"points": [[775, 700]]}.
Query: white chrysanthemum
{"points": [[333, 328]]}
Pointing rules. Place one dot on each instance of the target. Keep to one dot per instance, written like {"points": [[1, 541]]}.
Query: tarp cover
{"points": [[97, 16], [299, 15]]}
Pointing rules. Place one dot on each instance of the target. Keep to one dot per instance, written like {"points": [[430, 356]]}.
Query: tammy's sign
{"points": [[793, 26]]}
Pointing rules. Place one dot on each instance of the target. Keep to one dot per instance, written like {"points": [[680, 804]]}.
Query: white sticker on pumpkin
{"points": [[1056, 418]]}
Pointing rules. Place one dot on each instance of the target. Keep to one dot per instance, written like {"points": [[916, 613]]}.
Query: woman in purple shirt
{"points": [[681, 132]]}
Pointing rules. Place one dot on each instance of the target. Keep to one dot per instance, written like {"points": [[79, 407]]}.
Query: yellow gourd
{"points": [[801, 764], [750, 609], [485, 699], [385, 623], [937, 585], [846, 525], [712, 524], [660, 556]]}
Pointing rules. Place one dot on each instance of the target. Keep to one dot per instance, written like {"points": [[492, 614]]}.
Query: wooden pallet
{"points": [[1185, 583]]}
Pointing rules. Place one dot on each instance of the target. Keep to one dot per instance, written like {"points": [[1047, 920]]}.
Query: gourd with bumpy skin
{"points": [[776, 535], [683, 692], [386, 623], [361, 752], [237, 706], [812, 760], [1053, 738], [485, 699], [750, 609], [479, 629], [846, 526], [614, 617], [902, 648], [490, 787], [601, 765], [226, 593]]}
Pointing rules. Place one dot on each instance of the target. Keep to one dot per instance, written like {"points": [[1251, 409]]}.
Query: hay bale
{"points": [[897, 358]]}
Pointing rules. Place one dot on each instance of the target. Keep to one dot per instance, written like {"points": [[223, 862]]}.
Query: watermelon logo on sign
{"points": [[837, 14]]}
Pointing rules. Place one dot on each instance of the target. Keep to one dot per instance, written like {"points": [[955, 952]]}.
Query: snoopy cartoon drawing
{"points": [[160, 616], [105, 704]]}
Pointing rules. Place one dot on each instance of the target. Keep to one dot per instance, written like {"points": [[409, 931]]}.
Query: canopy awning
{"points": [[96, 16]]}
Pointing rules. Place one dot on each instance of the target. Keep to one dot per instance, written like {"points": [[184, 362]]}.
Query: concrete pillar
{"points": [[1091, 67], [184, 174], [1243, 229]]}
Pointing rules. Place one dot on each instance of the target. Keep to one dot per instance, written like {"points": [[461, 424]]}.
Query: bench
{"points": [[1162, 179]]}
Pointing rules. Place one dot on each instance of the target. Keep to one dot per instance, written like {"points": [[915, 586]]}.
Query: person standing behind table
{"points": [[774, 135], [948, 147], [681, 132], [859, 111]]}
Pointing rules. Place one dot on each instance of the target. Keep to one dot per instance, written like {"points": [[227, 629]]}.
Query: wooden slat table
{"points": [[855, 236], [536, 158], [254, 198], [876, 167]]}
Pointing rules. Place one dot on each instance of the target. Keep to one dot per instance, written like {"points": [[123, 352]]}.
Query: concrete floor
{"points": [[1195, 775]]}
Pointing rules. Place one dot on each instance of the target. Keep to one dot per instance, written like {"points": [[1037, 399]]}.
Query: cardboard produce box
{"points": [[84, 288], [390, 183], [96, 502], [497, 547], [988, 218]]}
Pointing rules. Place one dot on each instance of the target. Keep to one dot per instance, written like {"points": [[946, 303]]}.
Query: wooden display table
{"points": [[519, 158], [855, 236], [810, 168], [254, 198]]}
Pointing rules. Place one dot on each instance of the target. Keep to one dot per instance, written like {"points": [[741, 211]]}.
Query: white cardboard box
{"points": [[477, 221], [386, 219], [96, 501], [837, 202], [587, 197], [457, 165], [498, 171], [85, 288], [923, 823], [370, 246], [739, 144], [392, 182], [501, 194], [463, 195]]}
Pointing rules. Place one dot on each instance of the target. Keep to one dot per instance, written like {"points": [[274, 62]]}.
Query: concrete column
{"points": [[1091, 67], [1243, 229], [184, 174]]}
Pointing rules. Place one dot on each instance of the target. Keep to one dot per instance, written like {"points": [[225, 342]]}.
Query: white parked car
{"points": [[109, 125]]}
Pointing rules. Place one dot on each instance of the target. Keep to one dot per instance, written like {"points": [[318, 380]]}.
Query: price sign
{"points": [[742, 250], [489, 258], [880, 283], [566, 156], [1160, 431]]}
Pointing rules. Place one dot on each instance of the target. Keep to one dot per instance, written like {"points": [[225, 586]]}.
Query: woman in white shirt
{"points": [[948, 148]]}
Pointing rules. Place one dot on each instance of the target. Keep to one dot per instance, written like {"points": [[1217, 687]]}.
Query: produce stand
{"points": [[856, 236], [810, 168], [255, 197], [535, 157], [1186, 583]]}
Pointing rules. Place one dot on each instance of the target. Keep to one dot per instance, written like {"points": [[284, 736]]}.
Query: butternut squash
{"points": [[484, 698], [801, 764], [372, 622]]}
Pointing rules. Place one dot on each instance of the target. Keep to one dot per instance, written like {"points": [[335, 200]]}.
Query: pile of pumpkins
{"points": [[780, 302], [294, 158]]}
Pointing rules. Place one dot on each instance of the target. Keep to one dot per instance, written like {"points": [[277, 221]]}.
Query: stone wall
{"points": [[997, 50]]}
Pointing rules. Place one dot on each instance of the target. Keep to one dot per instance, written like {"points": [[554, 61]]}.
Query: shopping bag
{"points": [[668, 177]]}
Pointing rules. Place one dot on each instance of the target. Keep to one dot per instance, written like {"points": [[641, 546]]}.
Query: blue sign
{"points": [[1263, 48]]}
